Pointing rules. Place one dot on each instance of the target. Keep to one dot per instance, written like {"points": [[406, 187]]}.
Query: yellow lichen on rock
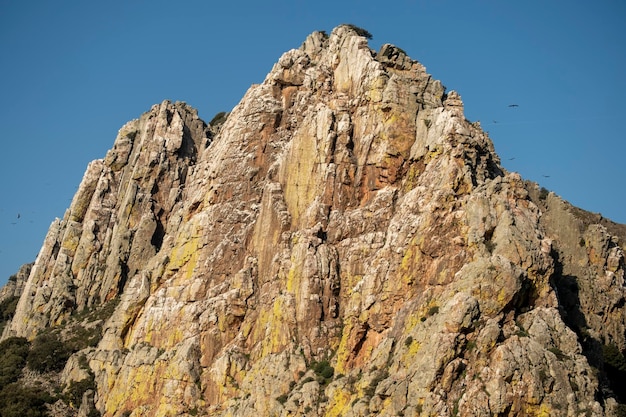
{"points": [[345, 215], [338, 404], [185, 254]]}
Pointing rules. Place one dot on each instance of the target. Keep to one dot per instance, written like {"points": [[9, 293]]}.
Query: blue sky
{"points": [[73, 72]]}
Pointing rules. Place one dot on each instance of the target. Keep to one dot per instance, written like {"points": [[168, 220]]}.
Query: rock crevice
{"points": [[346, 243]]}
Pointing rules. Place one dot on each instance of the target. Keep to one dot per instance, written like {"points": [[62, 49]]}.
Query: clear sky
{"points": [[74, 71]]}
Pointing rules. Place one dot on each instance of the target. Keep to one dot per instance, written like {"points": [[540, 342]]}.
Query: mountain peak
{"points": [[346, 243]]}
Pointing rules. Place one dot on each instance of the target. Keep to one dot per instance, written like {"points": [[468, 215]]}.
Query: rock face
{"points": [[346, 243], [15, 285], [116, 221]]}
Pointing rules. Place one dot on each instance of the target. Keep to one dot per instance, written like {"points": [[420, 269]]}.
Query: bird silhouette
{"points": [[513, 105]]}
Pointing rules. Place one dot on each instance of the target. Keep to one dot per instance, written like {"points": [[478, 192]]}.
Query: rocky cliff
{"points": [[346, 243]]}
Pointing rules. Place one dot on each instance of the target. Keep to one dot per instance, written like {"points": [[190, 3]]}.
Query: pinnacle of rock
{"points": [[344, 243]]}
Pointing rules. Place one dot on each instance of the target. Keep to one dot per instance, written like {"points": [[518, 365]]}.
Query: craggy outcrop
{"points": [[117, 219], [344, 243], [15, 284]]}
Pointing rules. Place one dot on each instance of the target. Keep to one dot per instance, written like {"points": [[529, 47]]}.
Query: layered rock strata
{"points": [[346, 243]]}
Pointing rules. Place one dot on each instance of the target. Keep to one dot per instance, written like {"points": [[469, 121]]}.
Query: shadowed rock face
{"points": [[346, 211]]}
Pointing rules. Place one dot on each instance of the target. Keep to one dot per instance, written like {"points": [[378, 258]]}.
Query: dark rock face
{"points": [[346, 243]]}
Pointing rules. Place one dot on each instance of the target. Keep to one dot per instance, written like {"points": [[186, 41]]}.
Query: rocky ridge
{"points": [[345, 243]]}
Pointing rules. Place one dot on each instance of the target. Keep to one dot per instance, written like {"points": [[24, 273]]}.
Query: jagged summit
{"points": [[345, 243]]}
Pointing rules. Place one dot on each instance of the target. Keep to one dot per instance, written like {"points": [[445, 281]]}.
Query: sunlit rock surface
{"points": [[345, 244]]}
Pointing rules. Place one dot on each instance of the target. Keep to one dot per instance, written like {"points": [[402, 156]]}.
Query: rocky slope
{"points": [[345, 243]]}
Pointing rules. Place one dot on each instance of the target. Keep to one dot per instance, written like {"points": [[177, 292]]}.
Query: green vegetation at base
{"points": [[323, 370], [7, 310], [614, 358], [47, 355], [615, 370], [17, 400], [13, 352], [75, 390]]}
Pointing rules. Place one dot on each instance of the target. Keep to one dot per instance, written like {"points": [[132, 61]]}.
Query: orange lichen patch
{"points": [[356, 346], [288, 96]]}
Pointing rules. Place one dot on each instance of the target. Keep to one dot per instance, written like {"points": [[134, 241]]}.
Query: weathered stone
{"points": [[15, 284], [347, 244]]}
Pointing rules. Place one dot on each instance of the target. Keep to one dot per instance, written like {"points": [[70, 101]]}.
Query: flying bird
{"points": [[546, 176], [513, 105]]}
